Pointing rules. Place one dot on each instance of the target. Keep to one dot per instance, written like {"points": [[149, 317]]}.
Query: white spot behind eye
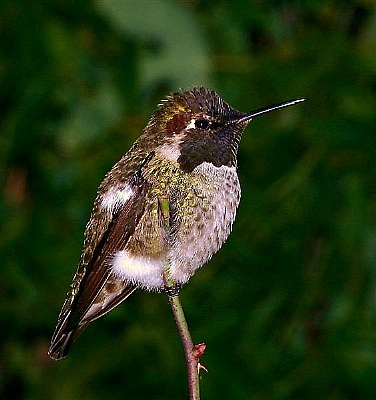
{"points": [[191, 124]]}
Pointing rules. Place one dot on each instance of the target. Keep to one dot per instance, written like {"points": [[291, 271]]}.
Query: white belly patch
{"points": [[143, 271]]}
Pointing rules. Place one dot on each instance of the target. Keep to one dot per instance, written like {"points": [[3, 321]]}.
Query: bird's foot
{"points": [[172, 290]]}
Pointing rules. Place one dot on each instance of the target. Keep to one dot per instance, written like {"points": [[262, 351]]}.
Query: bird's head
{"points": [[197, 126]]}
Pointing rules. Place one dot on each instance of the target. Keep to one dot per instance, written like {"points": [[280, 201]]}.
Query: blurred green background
{"points": [[288, 306]]}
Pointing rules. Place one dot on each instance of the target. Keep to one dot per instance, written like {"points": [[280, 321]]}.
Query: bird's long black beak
{"points": [[246, 117]]}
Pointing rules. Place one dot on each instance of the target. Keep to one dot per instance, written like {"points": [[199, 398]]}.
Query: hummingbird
{"points": [[168, 205]]}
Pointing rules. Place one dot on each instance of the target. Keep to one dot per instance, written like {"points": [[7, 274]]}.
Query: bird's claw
{"points": [[173, 290]]}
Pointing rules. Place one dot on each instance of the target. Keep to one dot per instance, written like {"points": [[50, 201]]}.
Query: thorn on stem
{"points": [[200, 367]]}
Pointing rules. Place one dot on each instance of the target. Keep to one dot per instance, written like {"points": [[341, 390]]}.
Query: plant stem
{"points": [[189, 348]]}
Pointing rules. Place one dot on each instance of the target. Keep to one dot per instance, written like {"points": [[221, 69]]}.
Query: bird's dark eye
{"points": [[202, 124]]}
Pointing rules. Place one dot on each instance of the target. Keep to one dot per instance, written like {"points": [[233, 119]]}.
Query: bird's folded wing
{"points": [[105, 234]]}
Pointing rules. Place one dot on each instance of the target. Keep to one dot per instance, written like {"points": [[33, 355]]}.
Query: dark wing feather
{"points": [[93, 275]]}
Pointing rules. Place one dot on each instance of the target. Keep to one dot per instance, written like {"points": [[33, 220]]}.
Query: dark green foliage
{"points": [[288, 307]]}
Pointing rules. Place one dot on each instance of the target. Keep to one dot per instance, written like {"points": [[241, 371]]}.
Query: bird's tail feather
{"points": [[62, 341]]}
